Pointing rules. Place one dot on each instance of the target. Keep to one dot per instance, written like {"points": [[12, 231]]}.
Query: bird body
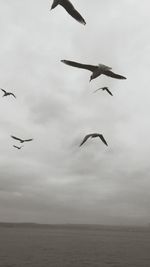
{"points": [[7, 93], [104, 89], [104, 67], [96, 70], [21, 140], [94, 135], [67, 5]]}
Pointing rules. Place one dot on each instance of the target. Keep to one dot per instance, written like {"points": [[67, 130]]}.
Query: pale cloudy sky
{"points": [[52, 180]]}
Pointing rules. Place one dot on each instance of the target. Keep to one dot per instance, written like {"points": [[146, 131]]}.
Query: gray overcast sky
{"points": [[52, 180]]}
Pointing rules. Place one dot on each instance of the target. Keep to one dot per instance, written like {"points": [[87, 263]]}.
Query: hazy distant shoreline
{"points": [[74, 226]]}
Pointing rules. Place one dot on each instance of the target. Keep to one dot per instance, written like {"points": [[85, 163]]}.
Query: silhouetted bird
{"points": [[96, 70], [70, 9], [7, 93], [93, 135], [18, 147], [21, 140], [104, 89]]}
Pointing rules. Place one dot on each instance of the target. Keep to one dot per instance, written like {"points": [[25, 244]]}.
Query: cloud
{"points": [[52, 180]]}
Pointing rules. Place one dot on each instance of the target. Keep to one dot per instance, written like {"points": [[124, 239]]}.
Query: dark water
{"points": [[74, 247]]}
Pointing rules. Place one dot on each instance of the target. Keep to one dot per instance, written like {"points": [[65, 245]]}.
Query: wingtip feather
{"points": [[83, 22]]}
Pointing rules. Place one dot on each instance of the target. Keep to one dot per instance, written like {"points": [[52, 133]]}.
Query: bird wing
{"points": [[3, 90], [103, 139], [16, 138], [12, 95], [113, 75], [85, 139], [27, 140], [18, 147], [97, 90], [15, 146], [109, 91], [72, 11], [79, 65]]}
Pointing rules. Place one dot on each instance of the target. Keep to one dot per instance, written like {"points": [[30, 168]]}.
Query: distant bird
{"points": [[93, 135], [70, 9], [96, 70], [104, 89], [21, 140], [7, 93], [18, 147]]}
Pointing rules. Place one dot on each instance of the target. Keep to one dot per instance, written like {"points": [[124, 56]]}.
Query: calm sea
{"points": [[74, 246]]}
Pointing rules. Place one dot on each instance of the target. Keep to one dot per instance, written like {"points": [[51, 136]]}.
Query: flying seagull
{"points": [[104, 89], [93, 135], [96, 70], [18, 147], [70, 9], [7, 93], [21, 140]]}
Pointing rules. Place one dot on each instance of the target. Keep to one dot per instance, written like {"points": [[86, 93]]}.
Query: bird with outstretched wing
{"points": [[104, 89], [17, 147], [96, 70], [7, 93], [21, 140], [94, 135]]}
